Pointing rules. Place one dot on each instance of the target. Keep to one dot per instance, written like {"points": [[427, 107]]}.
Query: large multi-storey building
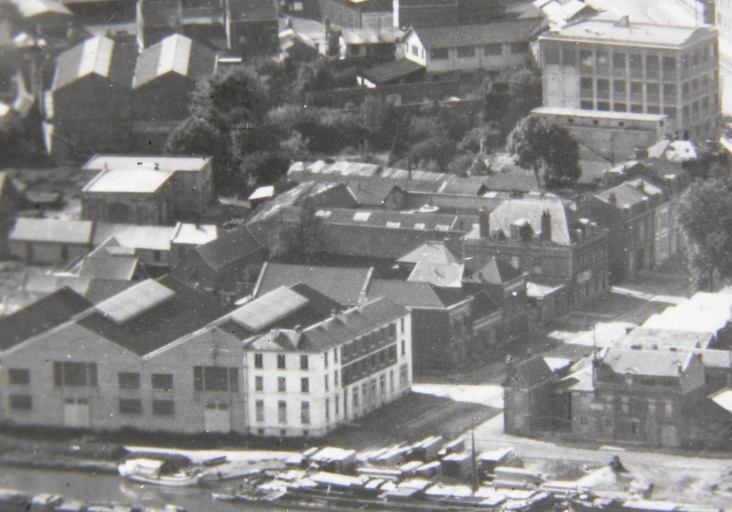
{"points": [[638, 68]]}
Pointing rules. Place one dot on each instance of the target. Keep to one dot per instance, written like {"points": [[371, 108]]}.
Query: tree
{"points": [[380, 120], [302, 243], [547, 149], [705, 215]]}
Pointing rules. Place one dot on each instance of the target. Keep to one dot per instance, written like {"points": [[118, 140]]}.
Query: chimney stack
{"points": [[484, 222], [546, 226], [612, 198]]}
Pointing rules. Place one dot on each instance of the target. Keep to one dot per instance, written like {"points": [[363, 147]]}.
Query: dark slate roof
{"points": [[496, 271], [99, 56], [393, 71], [41, 316], [174, 54], [532, 372], [343, 285], [186, 311], [503, 31], [483, 305], [108, 268], [229, 247], [415, 295]]}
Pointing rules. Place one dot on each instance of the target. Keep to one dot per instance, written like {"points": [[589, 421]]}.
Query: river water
{"points": [[104, 488]]}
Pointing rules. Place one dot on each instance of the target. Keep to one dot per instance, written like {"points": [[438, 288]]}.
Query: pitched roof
{"points": [[52, 230], [167, 163], [446, 275], [415, 295], [108, 268], [41, 316], [127, 181], [392, 71], [532, 372], [497, 271], [371, 193], [195, 234], [99, 56], [133, 236], [31, 8], [656, 363], [623, 196], [464, 186], [432, 252], [651, 339], [344, 285], [504, 31], [174, 54], [181, 313], [230, 246], [511, 211]]}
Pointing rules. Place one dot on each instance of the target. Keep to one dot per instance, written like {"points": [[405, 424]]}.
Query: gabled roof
{"points": [[624, 196], [464, 186], [52, 231], [185, 311], [371, 193], [41, 316], [432, 252], [99, 56], [531, 211], [230, 246], [655, 363], [503, 31], [33, 8], [415, 295], [165, 163], [445, 275], [531, 372], [133, 236], [497, 271], [108, 268], [393, 71], [175, 54], [195, 234], [343, 285]]}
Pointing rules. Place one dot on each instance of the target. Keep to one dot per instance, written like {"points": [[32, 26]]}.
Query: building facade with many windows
{"points": [[620, 66]]}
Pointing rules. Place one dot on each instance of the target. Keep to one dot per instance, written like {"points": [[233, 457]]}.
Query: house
{"points": [[546, 239], [628, 212], [50, 241], [357, 14], [560, 13], [390, 73], [224, 264], [89, 105], [44, 18], [527, 400], [449, 327], [623, 66], [307, 380], [494, 46], [369, 46], [190, 181], [346, 286], [150, 245], [165, 75]]}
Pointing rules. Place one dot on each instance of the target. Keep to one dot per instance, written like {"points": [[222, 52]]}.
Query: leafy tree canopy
{"points": [[547, 149]]}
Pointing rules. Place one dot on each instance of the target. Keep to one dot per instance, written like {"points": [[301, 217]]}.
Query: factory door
{"points": [[217, 417], [76, 413]]}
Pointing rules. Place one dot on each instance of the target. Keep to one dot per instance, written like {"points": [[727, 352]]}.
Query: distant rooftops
{"points": [[174, 54], [498, 31], [631, 34]]}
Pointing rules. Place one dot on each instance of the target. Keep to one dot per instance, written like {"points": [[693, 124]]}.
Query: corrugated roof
{"points": [[100, 56], [267, 309], [41, 316], [167, 163], [509, 31], [52, 231], [185, 312], [432, 252], [229, 246], [127, 181], [344, 285], [132, 236], [174, 54], [135, 301]]}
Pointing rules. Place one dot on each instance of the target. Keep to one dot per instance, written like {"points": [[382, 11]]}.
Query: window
{"points": [[335, 355], [163, 407], [281, 384], [304, 385], [466, 52], [157, 256], [401, 325], [336, 401], [305, 412], [493, 49], [404, 347], [669, 66], [259, 407], [652, 66], [669, 93], [552, 55], [325, 359], [355, 396], [569, 56], [635, 62], [128, 380], [438, 53], [335, 379], [653, 109], [17, 376], [327, 409], [620, 107], [282, 411], [162, 381], [587, 105], [391, 381], [215, 378], [415, 51], [74, 374], [634, 428], [259, 383], [303, 362], [519, 47], [21, 402], [587, 60], [281, 361], [619, 62], [382, 385], [603, 105], [636, 109], [130, 406], [403, 375], [258, 361], [670, 112]]}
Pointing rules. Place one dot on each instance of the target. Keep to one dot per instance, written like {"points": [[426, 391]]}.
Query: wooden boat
{"points": [[12, 500], [147, 471]]}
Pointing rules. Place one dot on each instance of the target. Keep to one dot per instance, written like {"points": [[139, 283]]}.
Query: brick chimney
{"points": [[484, 222]]}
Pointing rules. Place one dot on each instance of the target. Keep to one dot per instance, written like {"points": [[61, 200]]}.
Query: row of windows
{"points": [[125, 406], [304, 383], [215, 378], [370, 341], [282, 411], [620, 106], [467, 52], [304, 360], [131, 380], [369, 365]]}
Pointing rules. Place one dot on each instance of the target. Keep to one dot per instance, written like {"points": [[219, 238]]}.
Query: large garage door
{"points": [[76, 413], [217, 417]]}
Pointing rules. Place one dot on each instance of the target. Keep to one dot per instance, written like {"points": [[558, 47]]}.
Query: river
{"points": [[104, 488]]}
